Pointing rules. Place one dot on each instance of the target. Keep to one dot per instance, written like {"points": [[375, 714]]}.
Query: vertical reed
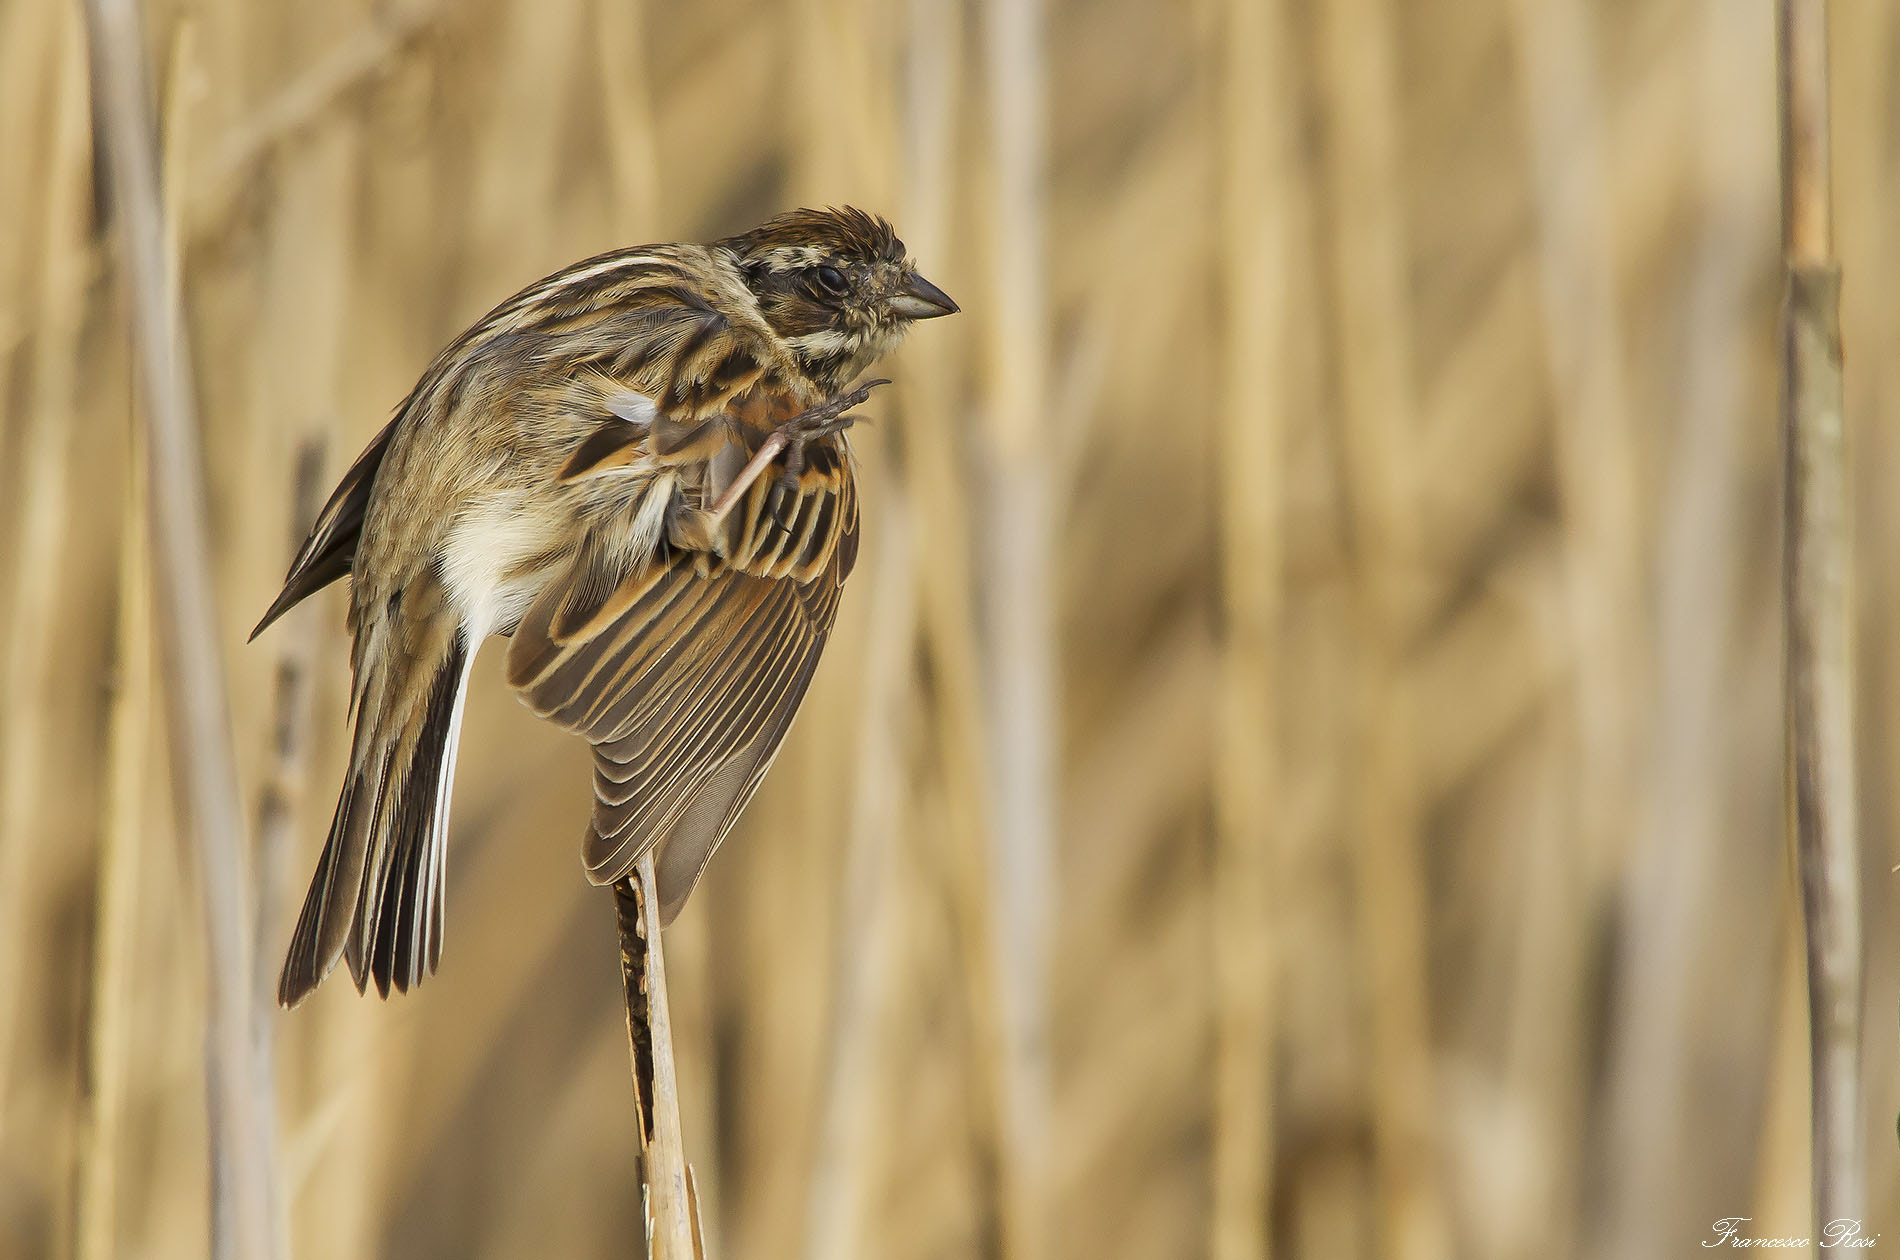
{"points": [[110, 1036], [1259, 172], [671, 1231], [1018, 542], [1559, 73], [843, 1166], [197, 710], [1358, 72], [41, 527], [1815, 565], [286, 771]]}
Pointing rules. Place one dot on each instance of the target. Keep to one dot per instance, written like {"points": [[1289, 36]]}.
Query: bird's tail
{"points": [[377, 895]]}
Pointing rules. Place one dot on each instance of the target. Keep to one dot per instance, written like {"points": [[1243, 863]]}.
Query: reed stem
{"points": [[197, 709], [1817, 651], [671, 1220]]}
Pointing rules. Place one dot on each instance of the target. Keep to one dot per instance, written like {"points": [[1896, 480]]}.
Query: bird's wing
{"points": [[328, 552], [640, 317], [686, 670]]}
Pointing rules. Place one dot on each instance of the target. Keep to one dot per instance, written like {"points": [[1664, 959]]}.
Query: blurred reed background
{"points": [[1300, 766]]}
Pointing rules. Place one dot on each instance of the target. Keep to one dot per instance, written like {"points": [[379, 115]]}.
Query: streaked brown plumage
{"points": [[586, 470]]}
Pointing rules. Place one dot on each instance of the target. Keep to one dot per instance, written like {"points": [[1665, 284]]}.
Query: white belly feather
{"points": [[487, 561]]}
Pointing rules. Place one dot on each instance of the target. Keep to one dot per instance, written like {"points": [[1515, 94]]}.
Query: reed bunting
{"points": [[637, 468]]}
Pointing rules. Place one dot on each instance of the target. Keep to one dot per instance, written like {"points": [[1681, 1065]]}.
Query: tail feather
{"points": [[401, 911], [376, 898], [329, 907]]}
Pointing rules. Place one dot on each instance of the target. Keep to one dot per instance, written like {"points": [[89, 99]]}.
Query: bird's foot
{"points": [[827, 417], [822, 420]]}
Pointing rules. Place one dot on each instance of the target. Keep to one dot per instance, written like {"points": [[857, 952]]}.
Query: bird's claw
{"points": [[829, 416], [821, 420]]}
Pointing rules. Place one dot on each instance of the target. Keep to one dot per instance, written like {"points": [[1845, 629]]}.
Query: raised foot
{"points": [[829, 416], [822, 420]]}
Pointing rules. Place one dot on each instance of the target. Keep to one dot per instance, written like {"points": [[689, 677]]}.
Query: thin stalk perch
{"points": [[670, 1216]]}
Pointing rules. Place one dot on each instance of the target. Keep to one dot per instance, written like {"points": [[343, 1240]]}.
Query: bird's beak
{"points": [[920, 299]]}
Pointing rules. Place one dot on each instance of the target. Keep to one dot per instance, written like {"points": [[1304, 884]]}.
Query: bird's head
{"points": [[837, 286]]}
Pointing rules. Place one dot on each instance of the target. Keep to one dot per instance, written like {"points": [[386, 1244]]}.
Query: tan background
{"points": [[1323, 589]]}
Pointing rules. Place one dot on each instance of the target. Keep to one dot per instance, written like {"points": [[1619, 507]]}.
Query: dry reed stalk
{"points": [[947, 593], [961, 743], [1864, 63], [197, 707], [934, 106], [842, 1166], [1018, 541], [671, 1222], [125, 821], [935, 101], [962, 746], [182, 89], [1358, 68], [128, 734], [1260, 174], [285, 772], [1818, 653], [41, 530], [1674, 879], [1569, 878]]}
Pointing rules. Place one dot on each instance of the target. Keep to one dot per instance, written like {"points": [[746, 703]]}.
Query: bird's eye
{"points": [[831, 280]]}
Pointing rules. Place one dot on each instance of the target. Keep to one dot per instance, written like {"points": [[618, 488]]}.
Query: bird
{"points": [[636, 469]]}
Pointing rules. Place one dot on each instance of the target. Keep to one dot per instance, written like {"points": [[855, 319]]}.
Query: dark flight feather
{"points": [[330, 549]]}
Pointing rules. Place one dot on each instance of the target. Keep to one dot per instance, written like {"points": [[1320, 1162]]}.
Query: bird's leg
{"points": [[699, 528]]}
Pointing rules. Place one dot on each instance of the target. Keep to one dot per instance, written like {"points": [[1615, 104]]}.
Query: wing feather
{"points": [[666, 764], [330, 550], [685, 672]]}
